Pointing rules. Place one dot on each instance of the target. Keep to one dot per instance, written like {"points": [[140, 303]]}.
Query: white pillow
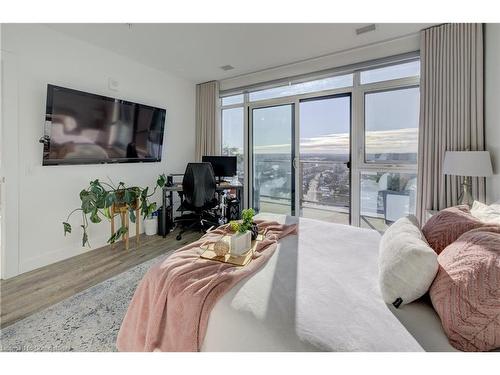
{"points": [[407, 264], [488, 214]]}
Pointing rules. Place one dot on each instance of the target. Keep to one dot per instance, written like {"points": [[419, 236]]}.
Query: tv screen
{"points": [[84, 128]]}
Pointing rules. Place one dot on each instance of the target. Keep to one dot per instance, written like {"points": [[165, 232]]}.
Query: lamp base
{"points": [[466, 196]]}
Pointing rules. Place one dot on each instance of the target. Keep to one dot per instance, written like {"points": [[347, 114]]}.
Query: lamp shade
{"points": [[467, 163]]}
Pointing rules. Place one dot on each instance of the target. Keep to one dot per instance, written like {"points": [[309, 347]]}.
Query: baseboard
{"points": [[62, 254], [57, 255]]}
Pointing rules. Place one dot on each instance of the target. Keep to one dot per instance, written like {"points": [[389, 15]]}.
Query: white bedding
{"points": [[319, 292]]}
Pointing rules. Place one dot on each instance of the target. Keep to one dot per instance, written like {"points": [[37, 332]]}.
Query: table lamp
{"points": [[467, 164]]}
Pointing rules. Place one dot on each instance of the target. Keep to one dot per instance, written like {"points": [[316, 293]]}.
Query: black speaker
{"points": [[233, 209], [164, 228]]}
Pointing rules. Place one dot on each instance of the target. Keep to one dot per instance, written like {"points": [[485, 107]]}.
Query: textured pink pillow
{"points": [[466, 290], [447, 225]]}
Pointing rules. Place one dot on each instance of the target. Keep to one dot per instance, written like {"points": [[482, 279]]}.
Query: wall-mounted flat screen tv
{"points": [[84, 128]]}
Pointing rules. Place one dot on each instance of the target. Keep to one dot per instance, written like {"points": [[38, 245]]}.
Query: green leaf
{"points": [[117, 235], [132, 215], [147, 210], [96, 188], [67, 228], [109, 199], [92, 196], [101, 201], [107, 212], [235, 226], [84, 193], [89, 199], [112, 239], [144, 206], [247, 220], [94, 217], [130, 196], [161, 180], [150, 209], [85, 237], [87, 205]]}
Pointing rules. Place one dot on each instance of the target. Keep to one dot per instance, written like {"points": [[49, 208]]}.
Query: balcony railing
{"points": [[333, 196], [325, 187]]}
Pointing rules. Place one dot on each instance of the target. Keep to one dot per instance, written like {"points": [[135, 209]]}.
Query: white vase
{"points": [[241, 242], [151, 226]]}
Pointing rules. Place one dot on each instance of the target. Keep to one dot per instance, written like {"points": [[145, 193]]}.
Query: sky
{"points": [[391, 125], [391, 120]]}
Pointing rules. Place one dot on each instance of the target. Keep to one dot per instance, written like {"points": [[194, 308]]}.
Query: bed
{"points": [[319, 292]]}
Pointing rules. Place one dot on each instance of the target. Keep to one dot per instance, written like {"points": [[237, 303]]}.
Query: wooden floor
{"points": [[33, 291]]}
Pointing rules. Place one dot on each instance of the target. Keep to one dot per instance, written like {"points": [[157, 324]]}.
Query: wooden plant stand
{"points": [[122, 210]]}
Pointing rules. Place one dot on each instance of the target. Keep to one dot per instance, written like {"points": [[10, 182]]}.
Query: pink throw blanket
{"points": [[172, 304]]}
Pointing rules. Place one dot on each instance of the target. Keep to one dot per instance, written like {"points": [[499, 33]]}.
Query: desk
{"points": [[168, 195]]}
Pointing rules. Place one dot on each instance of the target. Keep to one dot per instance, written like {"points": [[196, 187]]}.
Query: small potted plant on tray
{"points": [[245, 231]]}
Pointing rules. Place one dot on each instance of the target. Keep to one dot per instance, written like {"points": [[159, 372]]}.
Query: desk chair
{"points": [[198, 186]]}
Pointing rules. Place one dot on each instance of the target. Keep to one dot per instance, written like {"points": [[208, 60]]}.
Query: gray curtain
{"points": [[451, 110], [208, 132]]}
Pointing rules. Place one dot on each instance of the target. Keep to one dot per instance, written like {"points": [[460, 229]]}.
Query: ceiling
{"points": [[197, 51]]}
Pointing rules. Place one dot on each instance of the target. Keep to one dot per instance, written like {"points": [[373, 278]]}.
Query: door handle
{"points": [[348, 164], [294, 163]]}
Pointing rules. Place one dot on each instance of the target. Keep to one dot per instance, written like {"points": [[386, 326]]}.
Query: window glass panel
{"points": [[324, 175], [234, 99], [273, 185], [391, 126], [410, 69], [385, 197], [303, 88], [233, 137]]}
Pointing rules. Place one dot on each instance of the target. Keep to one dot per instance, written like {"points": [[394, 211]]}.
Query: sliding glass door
{"points": [[272, 158], [300, 163], [325, 156]]}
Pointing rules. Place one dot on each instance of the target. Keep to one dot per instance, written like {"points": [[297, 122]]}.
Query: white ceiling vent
{"points": [[365, 29], [227, 67]]}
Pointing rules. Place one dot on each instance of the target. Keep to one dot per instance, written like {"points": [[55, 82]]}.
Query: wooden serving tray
{"points": [[237, 260]]}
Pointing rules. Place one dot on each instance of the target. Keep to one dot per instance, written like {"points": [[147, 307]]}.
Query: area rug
{"points": [[86, 322]]}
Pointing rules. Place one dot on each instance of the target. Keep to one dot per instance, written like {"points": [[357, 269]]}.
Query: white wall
{"points": [[492, 107], [38, 198]]}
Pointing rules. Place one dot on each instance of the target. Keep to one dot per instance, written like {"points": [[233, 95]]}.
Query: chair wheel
{"points": [[179, 237]]}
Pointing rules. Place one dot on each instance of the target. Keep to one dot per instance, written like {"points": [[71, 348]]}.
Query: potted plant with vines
{"points": [[100, 199]]}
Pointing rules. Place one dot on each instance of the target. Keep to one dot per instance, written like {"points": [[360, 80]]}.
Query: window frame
{"points": [[229, 107], [315, 93], [245, 139], [409, 78], [357, 92], [234, 104]]}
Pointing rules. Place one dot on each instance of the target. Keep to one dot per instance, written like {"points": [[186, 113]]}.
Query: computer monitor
{"points": [[224, 166]]}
